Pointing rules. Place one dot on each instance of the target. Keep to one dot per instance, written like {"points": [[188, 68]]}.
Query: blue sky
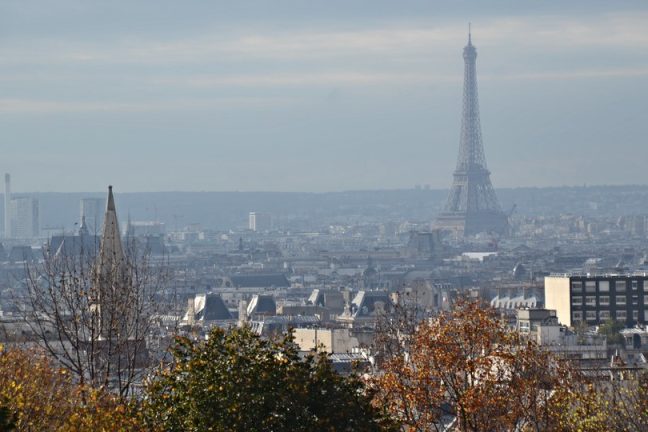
{"points": [[317, 95]]}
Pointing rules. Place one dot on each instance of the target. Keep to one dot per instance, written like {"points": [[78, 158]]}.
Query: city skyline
{"points": [[345, 215], [321, 98]]}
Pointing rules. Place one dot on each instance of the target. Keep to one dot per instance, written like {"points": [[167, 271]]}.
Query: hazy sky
{"points": [[317, 95]]}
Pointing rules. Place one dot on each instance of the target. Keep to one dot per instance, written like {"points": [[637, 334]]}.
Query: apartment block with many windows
{"points": [[598, 298]]}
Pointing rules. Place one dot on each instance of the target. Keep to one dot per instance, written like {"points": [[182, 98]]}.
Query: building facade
{"points": [[259, 222], [24, 218], [92, 209], [594, 299]]}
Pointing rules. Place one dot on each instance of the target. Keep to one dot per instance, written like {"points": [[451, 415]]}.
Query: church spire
{"points": [[111, 255], [111, 200]]}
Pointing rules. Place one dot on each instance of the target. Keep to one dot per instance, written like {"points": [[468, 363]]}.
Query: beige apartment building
{"points": [[598, 298]]}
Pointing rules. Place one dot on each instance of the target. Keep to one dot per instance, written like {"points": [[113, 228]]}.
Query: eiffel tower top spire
{"points": [[472, 205]]}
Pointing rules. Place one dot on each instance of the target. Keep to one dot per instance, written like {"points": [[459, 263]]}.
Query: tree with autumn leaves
{"points": [[466, 368], [35, 395]]}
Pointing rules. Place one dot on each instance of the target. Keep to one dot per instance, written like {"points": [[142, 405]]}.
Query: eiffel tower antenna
{"points": [[472, 205]]}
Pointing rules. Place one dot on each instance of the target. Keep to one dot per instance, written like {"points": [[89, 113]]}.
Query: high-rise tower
{"points": [[7, 203], [472, 205]]}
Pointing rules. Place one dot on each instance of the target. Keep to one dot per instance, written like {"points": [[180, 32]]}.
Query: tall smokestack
{"points": [[7, 200]]}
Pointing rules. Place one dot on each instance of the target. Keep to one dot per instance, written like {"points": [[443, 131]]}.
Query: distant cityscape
{"points": [[291, 248], [222, 211], [554, 265]]}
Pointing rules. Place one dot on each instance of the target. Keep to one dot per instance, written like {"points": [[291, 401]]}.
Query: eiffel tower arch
{"points": [[472, 205]]}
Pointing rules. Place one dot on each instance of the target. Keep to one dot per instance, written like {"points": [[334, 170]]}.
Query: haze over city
{"points": [[345, 215], [328, 96]]}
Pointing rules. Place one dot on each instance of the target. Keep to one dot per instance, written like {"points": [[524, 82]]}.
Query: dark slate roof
{"points": [[365, 303], [22, 253], [262, 304], [316, 298], [214, 310], [74, 245], [260, 280], [326, 298]]}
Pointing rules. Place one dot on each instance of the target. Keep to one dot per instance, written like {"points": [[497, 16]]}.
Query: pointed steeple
{"points": [[111, 255], [112, 280], [469, 35], [111, 200]]}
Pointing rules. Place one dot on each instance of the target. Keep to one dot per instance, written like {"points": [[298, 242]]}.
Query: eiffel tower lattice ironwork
{"points": [[472, 205]]}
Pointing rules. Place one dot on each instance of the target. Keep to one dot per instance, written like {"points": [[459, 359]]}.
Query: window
{"points": [[590, 286], [604, 300], [604, 286], [635, 285], [590, 301], [577, 316], [645, 299], [620, 300], [577, 300], [620, 286], [590, 315], [577, 286], [604, 315], [635, 299], [635, 315], [645, 285], [621, 315]]}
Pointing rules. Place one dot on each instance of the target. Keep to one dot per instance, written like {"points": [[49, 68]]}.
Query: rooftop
{"points": [[600, 275]]}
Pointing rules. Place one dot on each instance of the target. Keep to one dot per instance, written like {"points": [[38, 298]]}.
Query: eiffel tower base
{"points": [[471, 223]]}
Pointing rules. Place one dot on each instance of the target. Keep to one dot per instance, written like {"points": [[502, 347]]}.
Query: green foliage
{"points": [[237, 381], [611, 329]]}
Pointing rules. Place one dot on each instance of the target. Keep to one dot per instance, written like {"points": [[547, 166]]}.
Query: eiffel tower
{"points": [[472, 205]]}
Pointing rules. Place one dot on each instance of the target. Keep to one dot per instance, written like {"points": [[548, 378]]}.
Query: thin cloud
{"points": [[416, 39], [570, 75], [31, 106], [339, 78]]}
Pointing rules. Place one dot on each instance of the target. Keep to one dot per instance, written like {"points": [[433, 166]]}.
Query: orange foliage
{"points": [[41, 397], [466, 365]]}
